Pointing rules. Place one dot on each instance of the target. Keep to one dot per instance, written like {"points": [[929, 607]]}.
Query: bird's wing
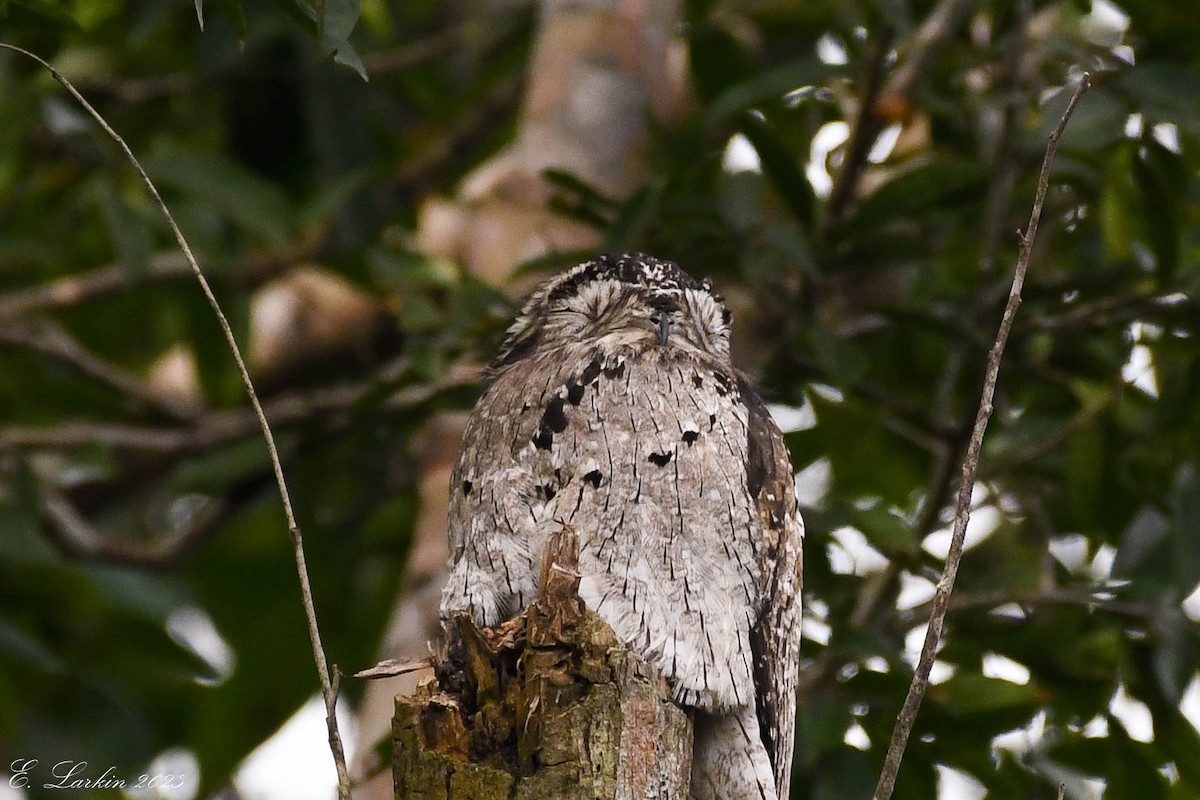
{"points": [[775, 638]]}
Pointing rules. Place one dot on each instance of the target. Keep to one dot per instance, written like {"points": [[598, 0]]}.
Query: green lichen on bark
{"points": [[544, 706]]}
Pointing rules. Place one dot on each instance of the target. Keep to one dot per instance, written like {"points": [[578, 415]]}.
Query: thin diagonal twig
{"points": [[328, 689], [941, 601]]}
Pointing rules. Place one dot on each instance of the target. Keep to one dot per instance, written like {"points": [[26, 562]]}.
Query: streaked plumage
{"points": [[613, 407]]}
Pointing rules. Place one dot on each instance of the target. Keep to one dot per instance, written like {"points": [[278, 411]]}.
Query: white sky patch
{"points": [[851, 554], [295, 763], [877, 664], [831, 50], [828, 138], [829, 394], [1004, 668], [1133, 715], [1191, 604], [1022, 740], [1009, 611], [1102, 563], [884, 144], [1108, 16], [740, 155], [914, 590], [1070, 550], [856, 737], [1134, 125], [914, 640], [178, 771], [792, 418], [815, 630], [7, 791], [980, 526], [813, 483], [1166, 134], [1139, 369], [1096, 727], [812, 624], [192, 628], [954, 784], [1189, 704]]}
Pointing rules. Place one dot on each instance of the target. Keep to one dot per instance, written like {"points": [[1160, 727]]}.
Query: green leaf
{"points": [[247, 200], [347, 56], [885, 530], [1164, 92], [128, 231], [19, 645], [233, 9], [338, 18], [971, 693], [1185, 529], [781, 166], [770, 85], [633, 218], [918, 189]]}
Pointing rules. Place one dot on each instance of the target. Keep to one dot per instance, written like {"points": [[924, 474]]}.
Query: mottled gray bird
{"points": [[613, 407]]}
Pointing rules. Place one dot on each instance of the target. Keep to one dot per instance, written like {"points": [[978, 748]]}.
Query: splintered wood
{"points": [[544, 706]]}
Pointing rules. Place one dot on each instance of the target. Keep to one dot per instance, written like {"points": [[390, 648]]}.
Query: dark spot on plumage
{"points": [[726, 314], [724, 383], [612, 373], [511, 352], [546, 492], [635, 269], [574, 392], [594, 477], [663, 302], [558, 475], [554, 417], [697, 381], [712, 421], [763, 459], [591, 372], [543, 439], [525, 407], [690, 437], [660, 459], [467, 486]]}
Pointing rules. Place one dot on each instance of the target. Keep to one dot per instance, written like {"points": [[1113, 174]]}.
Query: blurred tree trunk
{"points": [[599, 70]]}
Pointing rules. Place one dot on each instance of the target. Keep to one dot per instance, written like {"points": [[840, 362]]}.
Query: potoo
{"points": [[613, 407]]}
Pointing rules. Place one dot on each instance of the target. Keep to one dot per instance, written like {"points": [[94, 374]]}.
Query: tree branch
{"points": [[327, 688], [941, 601], [50, 339]]}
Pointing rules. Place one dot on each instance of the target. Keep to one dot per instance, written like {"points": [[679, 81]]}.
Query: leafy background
{"points": [[867, 284]]}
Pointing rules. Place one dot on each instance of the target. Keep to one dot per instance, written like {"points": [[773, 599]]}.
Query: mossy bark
{"points": [[546, 706]]}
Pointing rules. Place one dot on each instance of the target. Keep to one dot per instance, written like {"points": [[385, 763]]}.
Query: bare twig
{"points": [[866, 129], [941, 601], [72, 534], [393, 667], [1033, 600], [74, 290], [1062, 791], [216, 428], [937, 28], [895, 93], [50, 339], [328, 690]]}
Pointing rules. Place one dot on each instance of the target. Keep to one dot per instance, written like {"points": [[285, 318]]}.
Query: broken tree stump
{"points": [[546, 706]]}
